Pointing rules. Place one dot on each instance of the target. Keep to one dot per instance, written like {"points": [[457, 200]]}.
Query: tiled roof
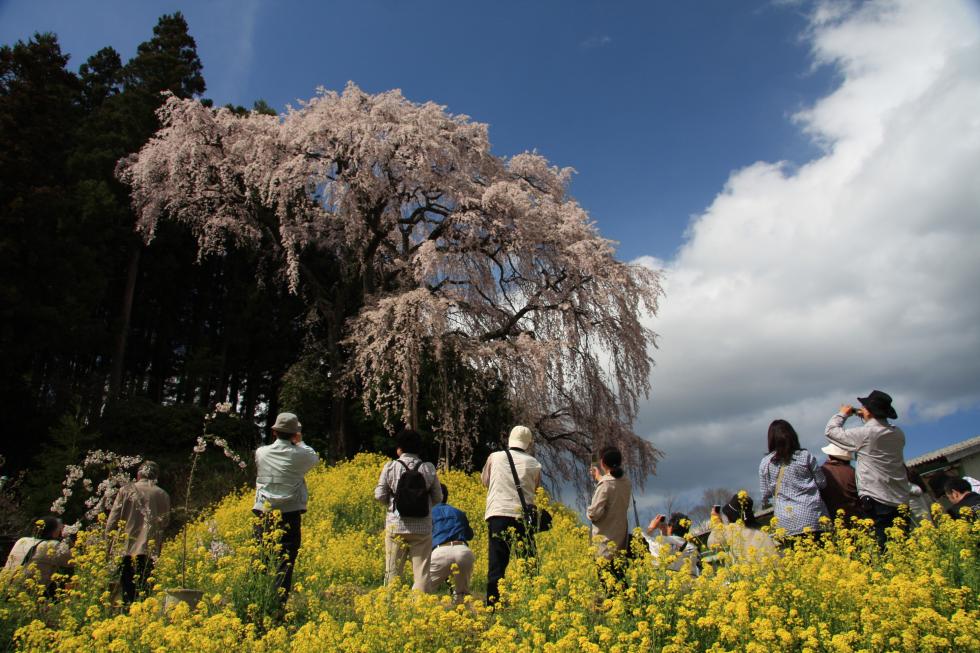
{"points": [[951, 453]]}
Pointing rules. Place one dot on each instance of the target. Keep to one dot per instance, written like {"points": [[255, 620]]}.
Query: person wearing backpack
{"points": [[408, 488]]}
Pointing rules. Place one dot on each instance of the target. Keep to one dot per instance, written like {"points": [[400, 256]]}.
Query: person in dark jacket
{"points": [[840, 493], [961, 495]]}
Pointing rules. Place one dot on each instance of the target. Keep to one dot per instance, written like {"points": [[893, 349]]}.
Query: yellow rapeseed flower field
{"points": [[841, 595]]}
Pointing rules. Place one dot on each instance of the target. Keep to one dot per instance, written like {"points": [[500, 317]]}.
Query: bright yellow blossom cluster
{"points": [[840, 594]]}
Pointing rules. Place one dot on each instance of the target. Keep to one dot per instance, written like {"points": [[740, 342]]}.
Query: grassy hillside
{"points": [[922, 595]]}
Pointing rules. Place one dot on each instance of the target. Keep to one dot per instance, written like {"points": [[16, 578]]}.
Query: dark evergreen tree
{"points": [[44, 289]]}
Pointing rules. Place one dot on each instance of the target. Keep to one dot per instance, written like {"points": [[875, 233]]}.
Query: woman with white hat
{"points": [[504, 515], [840, 493]]}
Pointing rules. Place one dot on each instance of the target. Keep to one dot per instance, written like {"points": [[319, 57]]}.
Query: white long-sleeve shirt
{"points": [[502, 497], [880, 451]]}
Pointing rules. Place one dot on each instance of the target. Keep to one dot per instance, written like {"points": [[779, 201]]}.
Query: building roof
{"points": [[951, 453]]}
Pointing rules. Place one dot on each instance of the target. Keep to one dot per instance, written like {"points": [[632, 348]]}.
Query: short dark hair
{"points": [[409, 441], [678, 523], [958, 485], [740, 509], [916, 478], [783, 441], [445, 493], [50, 524], [612, 458], [149, 470]]}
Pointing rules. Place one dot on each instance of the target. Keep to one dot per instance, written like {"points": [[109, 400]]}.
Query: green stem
{"points": [[187, 512]]}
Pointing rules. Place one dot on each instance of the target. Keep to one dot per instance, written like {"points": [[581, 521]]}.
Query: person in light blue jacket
{"points": [[281, 494]]}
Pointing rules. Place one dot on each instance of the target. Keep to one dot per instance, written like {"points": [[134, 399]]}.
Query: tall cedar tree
{"points": [[44, 289]]}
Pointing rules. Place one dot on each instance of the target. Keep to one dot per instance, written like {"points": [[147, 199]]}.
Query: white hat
{"points": [[833, 450], [520, 437]]}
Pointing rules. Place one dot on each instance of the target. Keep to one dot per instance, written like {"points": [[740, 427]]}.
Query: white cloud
{"points": [[798, 289]]}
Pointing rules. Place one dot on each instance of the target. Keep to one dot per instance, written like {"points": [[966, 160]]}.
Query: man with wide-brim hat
{"points": [[840, 493], [882, 481], [281, 495]]}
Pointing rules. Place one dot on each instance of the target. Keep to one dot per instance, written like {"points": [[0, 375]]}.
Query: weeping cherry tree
{"points": [[413, 245]]}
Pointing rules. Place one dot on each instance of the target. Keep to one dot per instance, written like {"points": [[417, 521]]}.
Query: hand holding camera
{"points": [[657, 523]]}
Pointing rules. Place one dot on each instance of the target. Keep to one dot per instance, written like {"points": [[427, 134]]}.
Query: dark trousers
{"points": [[502, 532], [612, 573], [791, 541], [882, 514], [132, 576], [289, 523]]}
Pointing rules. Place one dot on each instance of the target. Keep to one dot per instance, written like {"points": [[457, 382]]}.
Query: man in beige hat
{"points": [[840, 493], [505, 523], [281, 494], [143, 509]]}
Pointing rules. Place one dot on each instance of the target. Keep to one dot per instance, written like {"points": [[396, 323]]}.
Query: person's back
{"points": [[408, 537], [449, 523], [504, 512], [840, 492], [40, 556], [144, 507], [280, 479], [609, 507], [881, 463], [451, 555], [502, 497], [794, 490]]}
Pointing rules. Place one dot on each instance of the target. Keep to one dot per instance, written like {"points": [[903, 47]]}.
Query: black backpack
{"points": [[412, 493]]}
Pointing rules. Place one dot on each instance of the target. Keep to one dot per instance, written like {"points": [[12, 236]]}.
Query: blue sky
{"points": [[653, 103], [797, 168]]}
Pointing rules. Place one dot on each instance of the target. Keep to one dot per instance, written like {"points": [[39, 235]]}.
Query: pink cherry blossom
{"points": [[481, 266]]}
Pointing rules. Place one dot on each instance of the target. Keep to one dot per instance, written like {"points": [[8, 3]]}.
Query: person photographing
{"points": [[882, 482], [281, 495]]}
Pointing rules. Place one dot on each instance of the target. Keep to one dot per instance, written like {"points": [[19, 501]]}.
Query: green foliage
{"points": [[66, 444], [201, 330], [304, 386]]}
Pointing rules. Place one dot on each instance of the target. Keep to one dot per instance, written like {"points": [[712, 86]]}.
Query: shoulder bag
{"points": [[537, 521]]}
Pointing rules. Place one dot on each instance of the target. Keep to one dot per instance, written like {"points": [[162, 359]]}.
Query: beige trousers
{"points": [[443, 559], [401, 546]]}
